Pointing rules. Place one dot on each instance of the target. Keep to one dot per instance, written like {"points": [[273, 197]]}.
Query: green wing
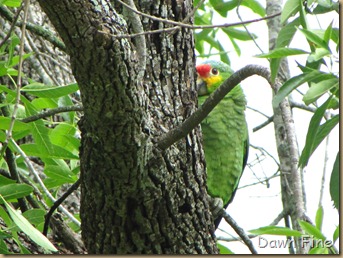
{"points": [[225, 137]]}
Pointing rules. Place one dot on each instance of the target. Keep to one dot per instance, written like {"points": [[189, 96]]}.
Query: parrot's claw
{"points": [[216, 205]]}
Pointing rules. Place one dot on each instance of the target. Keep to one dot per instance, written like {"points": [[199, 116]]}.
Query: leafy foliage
{"points": [[318, 74], [54, 140]]}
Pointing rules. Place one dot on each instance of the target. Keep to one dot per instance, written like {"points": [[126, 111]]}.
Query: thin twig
{"points": [[12, 166], [265, 151], [40, 182], [326, 158], [245, 27], [51, 112], [194, 119], [140, 42], [276, 174], [265, 123], [234, 239], [189, 26], [181, 24], [15, 18], [251, 236], [279, 217], [45, 72], [57, 204], [240, 232], [18, 84], [10, 159], [38, 30], [257, 111]]}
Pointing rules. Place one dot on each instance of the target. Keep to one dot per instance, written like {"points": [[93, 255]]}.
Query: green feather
{"points": [[225, 139]]}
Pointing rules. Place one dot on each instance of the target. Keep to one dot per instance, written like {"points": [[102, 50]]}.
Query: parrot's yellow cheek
{"points": [[212, 80]]}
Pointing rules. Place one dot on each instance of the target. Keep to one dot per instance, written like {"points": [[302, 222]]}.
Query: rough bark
{"points": [[291, 185], [135, 198]]}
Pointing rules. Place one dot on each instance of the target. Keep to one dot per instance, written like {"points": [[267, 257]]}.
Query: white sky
{"points": [[257, 205]]}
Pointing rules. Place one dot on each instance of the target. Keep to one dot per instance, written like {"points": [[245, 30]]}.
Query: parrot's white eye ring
{"points": [[214, 71]]}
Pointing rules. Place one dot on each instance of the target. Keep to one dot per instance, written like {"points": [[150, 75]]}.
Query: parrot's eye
{"points": [[214, 71]]}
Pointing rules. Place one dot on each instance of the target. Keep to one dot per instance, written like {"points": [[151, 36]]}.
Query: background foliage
{"points": [[39, 150]]}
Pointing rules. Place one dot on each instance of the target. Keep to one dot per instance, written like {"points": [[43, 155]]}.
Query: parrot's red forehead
{"points": [[203, 70]]}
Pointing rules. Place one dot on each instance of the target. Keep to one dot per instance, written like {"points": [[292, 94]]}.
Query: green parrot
{"points": [[225, 133]]}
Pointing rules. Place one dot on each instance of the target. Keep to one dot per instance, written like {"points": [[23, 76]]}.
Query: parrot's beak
{"points": [[201, 87]]}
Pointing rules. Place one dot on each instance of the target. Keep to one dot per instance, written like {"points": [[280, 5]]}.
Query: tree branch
{"points": [[57, 204], [140, 42], [265, 123], [9, 33], [240, 232], [189, 26], [19, 82], [38, 30], [257, 111], [41, 184], [51, 112], [196, 118]]}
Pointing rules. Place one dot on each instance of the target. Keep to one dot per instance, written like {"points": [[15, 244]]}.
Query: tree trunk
{"points": [[291, 183], [136, 198]]}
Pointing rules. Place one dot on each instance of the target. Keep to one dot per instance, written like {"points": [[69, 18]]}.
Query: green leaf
{"points": [[43, 91], [318, 54], [314, 38], [235, 46], [222, 7], [35, 216], [274, 68], [319, 217], [328, 32], [4, 216], [319, 250], [316, 133], [254, 6], [286, 34], [336, 234], [290, 8], [63, 135], [282, 52], [334, 182], [28, 229], [325, 8], [311, 230], [296, 81], [3, 248], [275, 230], [18, 126], [55, 172], [335, 36], [15, 191], [324, 130], [14, 41], [302, 15], [40, 134], [334, 103], [15, 60], [6, 181], [42, 103], [12, 3], [223, 249], [65, 101], [56, 153], [52, 183], [238, 34], [4, 235], [318, 89]]}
